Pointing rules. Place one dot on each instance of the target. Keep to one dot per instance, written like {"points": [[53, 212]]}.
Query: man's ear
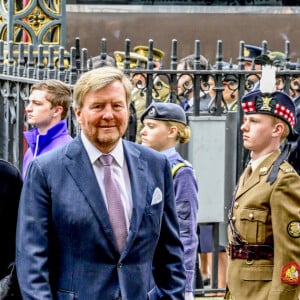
{"points": [[77, 112], [58, 110], [278, 129]]}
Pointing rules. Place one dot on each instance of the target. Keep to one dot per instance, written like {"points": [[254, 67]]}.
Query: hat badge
{"points": [[246, 52], [151, 112], [266, 103]]}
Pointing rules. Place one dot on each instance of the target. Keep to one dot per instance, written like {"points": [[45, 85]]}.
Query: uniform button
{"points": [[236, 204], [119, 265], [251, 216], [233, 218]]}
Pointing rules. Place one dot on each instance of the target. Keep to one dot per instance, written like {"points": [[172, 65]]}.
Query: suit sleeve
{"points": [[168, 265], [285, 208], [10, 190], [32, 244]]}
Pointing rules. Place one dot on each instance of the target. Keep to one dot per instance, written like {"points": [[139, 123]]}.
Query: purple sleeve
{"points": [[186, 197]]}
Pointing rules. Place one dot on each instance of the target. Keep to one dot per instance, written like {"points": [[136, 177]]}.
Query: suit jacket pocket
{"points": [[153, 215], [65, 295], [257, 273]]}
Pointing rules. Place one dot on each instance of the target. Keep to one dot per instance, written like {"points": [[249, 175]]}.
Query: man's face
{"points": [[185, 86], [254, 77], [184, 83], [104, 116], [230, 92], [258, 132], [39, 110], [295, 86]]}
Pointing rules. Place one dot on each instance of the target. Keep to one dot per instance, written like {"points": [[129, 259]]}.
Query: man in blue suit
{"points": [[67, 244]]}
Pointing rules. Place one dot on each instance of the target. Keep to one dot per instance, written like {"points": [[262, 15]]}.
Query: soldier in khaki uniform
{"points": [[160, 91], [264, 219]]}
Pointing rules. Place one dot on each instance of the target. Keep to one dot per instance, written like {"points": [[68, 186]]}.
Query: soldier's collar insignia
{"points": [[263, 170], [293, 229], [288, 170], [290, 273]]}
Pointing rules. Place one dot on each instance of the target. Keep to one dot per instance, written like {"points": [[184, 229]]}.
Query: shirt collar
{"points": [[169, 152], [94, 153], [255, 163]]}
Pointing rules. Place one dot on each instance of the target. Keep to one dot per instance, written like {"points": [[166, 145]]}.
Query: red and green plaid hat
{"points": [[277, 104]]}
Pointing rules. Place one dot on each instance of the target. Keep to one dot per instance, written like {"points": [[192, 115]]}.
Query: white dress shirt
{"points": [[120, 173]]}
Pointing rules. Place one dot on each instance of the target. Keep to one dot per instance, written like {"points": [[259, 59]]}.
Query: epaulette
{"points": [[287, 168], [178, 166]]}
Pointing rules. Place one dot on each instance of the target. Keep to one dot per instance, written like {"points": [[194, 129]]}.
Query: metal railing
{"points": [[20, 69]]}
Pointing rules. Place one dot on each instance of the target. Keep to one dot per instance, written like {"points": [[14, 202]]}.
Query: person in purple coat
{"points": [[48, 107], [164, 127]]}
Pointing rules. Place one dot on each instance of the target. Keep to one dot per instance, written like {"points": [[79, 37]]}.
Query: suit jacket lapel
{"points": [[137, 171], [78, 165]]}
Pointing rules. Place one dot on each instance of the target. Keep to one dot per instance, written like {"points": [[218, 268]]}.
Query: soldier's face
{"points": [[260, 134], [157, 135]]}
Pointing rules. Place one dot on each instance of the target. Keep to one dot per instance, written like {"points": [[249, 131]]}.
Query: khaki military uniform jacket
{"points": [[267, 214]]}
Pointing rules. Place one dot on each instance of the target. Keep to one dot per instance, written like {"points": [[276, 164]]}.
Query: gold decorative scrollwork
{"points": [[37, 19], [32, 22]]}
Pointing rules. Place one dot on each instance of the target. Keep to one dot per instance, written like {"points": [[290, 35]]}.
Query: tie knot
{"points": [[106, 159]]}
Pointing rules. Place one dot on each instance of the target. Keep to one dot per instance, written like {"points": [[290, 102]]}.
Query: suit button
{"points": [[233, 218], [236, 204], [251, 216], [119, 265]]}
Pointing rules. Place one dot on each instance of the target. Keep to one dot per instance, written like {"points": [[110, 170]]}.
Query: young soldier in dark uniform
{"points": [[264, 221]]}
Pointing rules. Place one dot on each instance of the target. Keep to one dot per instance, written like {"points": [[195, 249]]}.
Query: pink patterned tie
{"points": [[114, 203]]}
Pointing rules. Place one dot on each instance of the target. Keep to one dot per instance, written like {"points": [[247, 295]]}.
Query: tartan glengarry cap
{"points": [[164, 112], [277, 104]]}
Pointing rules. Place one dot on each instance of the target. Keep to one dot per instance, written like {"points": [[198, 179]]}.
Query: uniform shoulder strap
{"points": [[180, 165]]}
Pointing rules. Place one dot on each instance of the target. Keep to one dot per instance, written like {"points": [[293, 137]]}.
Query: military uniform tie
{"points": [[248, 173], [114, 203]]}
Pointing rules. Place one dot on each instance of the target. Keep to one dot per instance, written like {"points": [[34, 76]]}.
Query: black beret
{"points": [[164, 112]]}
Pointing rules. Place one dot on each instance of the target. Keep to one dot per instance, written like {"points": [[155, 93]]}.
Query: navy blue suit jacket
{"points": [[65, 246], [10, 191]]}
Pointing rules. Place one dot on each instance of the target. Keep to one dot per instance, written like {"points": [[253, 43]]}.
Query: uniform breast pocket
{"points": [[254, 225]]}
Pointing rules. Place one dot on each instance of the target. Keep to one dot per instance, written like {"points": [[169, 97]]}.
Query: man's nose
{"points": [[28, 107], [108, 112], [244, 126]]}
